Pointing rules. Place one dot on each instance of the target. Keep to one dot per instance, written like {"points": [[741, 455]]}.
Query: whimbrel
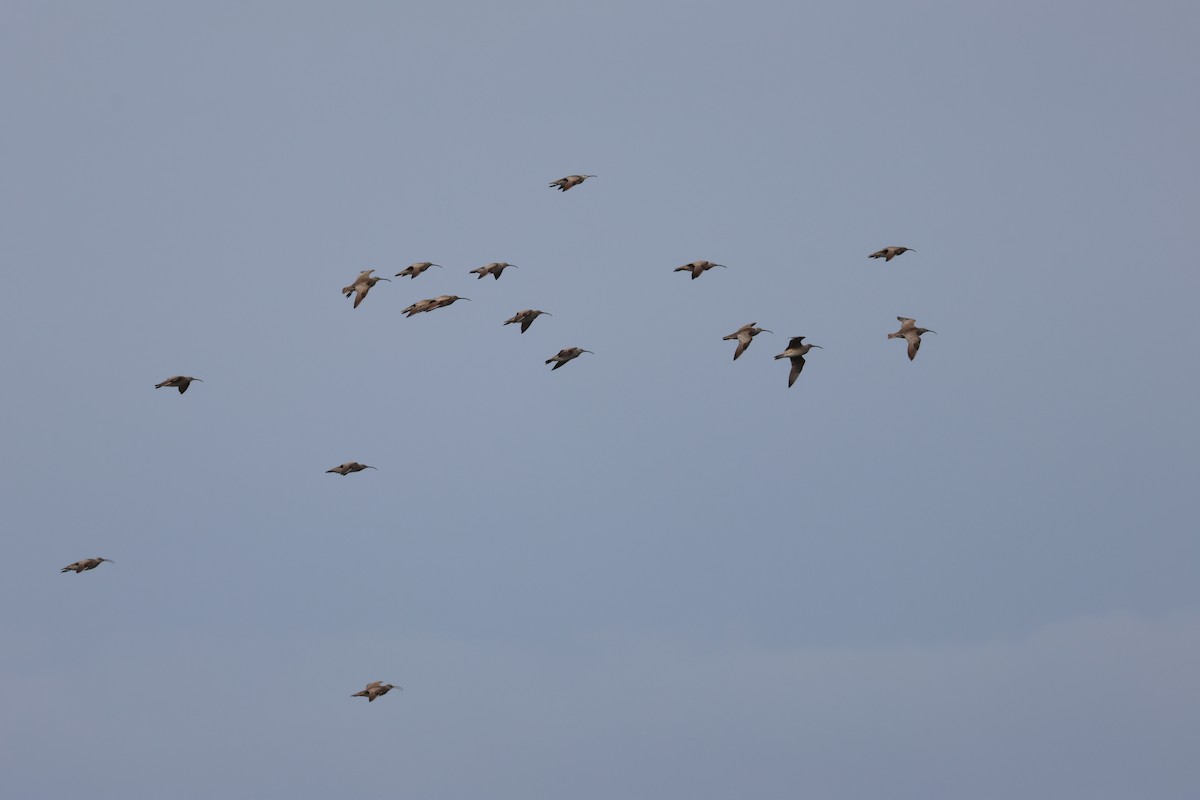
{"points": [[562, 184], [888, 253], [362, 284], [494, 269], [413, 270], [180, 381], [85, 564], [526, 318], [566, 355], [910, 331], [795, 351], [348, 467], [375, 689], [744, 335], [697, 267]]}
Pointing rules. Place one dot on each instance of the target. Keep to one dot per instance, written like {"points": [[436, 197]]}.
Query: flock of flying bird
{"points": [[796, 350]]}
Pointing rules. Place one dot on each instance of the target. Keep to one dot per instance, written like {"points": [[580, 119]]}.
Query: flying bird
{"points": [[566, 355], [888, 253], [744, 336], [494, 269], [910, 331], [348, 467], [85, 564], [796, 350], [182, 382], [413, 270], [562, 184], [697, 267], [375, 689], [362, 284], [526, 318]]}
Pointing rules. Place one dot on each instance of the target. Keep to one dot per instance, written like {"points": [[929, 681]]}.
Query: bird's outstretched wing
{"points": [[744, 338], [797, 368], [914, 344]]}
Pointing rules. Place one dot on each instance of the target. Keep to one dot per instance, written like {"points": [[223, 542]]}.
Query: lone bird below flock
{"points": [[348, 467], [413, 270], [910, 331], [697, 267], [562, 184], [795, 351], [440, 301], [888, 253], [375, 689], [362, 284], [744, 336], [526, 318], [494, 269], [182, 382], [85, 564], [566, 355]]}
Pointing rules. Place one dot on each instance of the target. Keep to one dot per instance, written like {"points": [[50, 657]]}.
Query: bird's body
{"points": [[744, 336], [418, 307], [796, 350], [85, 564], [362, 284], [566, 355], [375, 689], [494, 269], [910, 332], [563, 184], [181, 382], [348, 467], [441, 301], [697, 268], [888, 253], [413, 270], [526, 318]]}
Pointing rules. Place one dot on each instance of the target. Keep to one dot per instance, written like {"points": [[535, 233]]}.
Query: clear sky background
{"points": [[653, 573]]}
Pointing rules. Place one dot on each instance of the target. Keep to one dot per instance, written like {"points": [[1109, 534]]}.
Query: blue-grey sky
{"points": [[655, 572]]}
